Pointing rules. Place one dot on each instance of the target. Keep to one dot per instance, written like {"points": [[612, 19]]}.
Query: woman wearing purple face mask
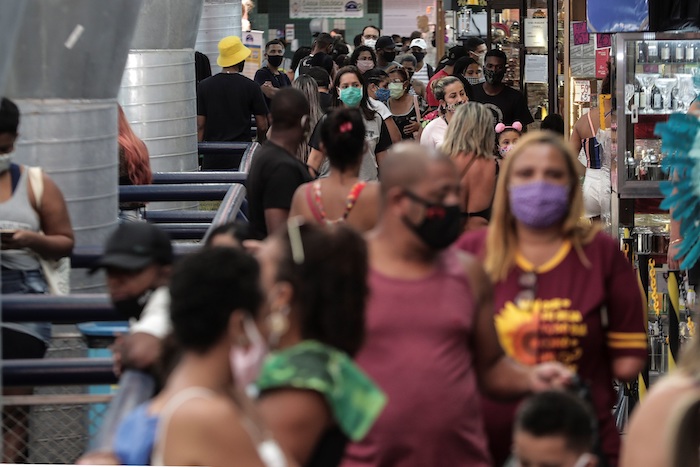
{"points": [[556, 281], [312, 395]]}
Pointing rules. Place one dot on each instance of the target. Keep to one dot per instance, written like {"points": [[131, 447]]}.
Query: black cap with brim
{"points": [[135, 245]]}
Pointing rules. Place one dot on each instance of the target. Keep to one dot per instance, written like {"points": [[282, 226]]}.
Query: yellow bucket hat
{"points": [[231, 51]]}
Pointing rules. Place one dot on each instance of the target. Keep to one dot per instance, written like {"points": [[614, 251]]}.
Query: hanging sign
{"points": [[581, 36], [535, 32], [601, 63], [326, 9], [582, 91]]}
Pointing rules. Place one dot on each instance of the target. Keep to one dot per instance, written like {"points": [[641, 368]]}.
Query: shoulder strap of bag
{"points": [[36, 180]]}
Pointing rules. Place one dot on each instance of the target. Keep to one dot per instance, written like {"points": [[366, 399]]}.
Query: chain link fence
{"points": [[53, 424]]}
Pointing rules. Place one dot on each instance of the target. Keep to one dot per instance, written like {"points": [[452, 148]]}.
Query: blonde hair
{"points": [[470, 132], [438, 86], [501, 239]]}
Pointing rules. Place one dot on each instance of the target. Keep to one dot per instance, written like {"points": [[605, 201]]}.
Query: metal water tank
{"points": [[64, 77], [11, 14], [158, 88], [220, 18]]}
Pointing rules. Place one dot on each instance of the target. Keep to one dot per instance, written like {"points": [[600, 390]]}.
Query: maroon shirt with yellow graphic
{"points": [[566, 322]]}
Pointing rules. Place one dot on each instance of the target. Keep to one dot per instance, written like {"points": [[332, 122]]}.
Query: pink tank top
{"points": [[419, 350]]}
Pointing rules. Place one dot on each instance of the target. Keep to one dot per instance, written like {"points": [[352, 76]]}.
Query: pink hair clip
{"points": [[345, 127]]}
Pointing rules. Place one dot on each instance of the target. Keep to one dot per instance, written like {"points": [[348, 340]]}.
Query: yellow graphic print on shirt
{"points": [[541, 331]]}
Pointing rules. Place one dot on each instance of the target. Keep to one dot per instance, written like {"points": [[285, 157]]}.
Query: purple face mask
{"points": [[539, 204]]}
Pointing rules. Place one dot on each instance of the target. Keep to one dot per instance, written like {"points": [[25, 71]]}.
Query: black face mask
{"points": [[275, 60], [419, 56], [132, 307], [494, 77], [389, 56], [441, 225]]}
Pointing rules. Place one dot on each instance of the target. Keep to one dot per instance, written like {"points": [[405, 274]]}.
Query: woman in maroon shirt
{"points": [[554, 280]]}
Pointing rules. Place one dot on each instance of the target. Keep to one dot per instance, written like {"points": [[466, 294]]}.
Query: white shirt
{"points": [[155, 317], [434, 133], [422, 75]]}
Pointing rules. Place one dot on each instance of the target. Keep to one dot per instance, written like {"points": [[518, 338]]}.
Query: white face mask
{"points": [[246, 362], [370, 43], [5, 161], [583, 460]]}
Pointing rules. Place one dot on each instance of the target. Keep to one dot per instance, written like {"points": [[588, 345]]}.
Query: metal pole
{"points": [[673, 318], [643, 271]]}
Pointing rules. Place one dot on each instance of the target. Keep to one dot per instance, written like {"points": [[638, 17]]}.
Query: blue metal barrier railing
{"points": [[229, 210], [189, 192], [175, 178], [223, 155], [58, 309], [182, 215], [87, 256], [58, 372]]}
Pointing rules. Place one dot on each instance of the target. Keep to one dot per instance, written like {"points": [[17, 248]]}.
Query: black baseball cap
{"points": [[384, 41], [454, 54], [135, 245]]}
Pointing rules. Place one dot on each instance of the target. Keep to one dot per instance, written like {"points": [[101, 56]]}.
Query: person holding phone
{"points": [[34, 225]]}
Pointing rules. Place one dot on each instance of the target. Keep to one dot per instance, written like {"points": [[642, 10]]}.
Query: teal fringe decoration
{"points": [[680, 137]]}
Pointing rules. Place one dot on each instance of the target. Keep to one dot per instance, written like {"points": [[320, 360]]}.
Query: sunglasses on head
{"points": [[528, 289]]}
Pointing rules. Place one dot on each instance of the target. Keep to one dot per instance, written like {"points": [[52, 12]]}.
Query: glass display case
{"points": [[654, 79]]}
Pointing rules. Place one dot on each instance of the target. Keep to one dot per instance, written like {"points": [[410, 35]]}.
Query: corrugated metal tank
{"points": [[220, 18], [65, 77], [158, 89], [11, 14]]}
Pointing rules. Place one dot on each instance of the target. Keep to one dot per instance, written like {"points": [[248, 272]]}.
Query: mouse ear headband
{"points": [[517, 126]]}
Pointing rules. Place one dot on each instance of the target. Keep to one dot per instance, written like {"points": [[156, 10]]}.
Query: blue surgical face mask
{"points": [[351, 96], [383, 94]]}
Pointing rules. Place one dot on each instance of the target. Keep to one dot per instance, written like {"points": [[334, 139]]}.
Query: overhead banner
{"points": [[618, 15], [326, 9]]}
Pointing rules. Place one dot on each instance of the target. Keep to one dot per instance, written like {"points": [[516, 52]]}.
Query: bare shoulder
{"points": [[206, 411], [294, 405], [370, 192], [654, 415], [299, 206]]}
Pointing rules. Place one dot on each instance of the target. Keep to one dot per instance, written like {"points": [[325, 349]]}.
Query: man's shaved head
{"points": [[406, 164]]}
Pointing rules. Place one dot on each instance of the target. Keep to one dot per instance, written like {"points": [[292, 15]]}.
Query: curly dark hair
{"points": [[207, 287], [330, 285]]}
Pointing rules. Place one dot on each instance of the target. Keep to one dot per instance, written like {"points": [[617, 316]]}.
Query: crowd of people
{"points": [[410, 274], [417, 285]]}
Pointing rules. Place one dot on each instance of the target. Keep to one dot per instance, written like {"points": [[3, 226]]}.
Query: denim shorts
{"points": [[24, 282]]}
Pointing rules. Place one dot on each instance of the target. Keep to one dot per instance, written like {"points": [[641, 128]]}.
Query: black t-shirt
{"points": [[228, 101], [508, 107], [274, 177], [278, 81], [326, 101]]}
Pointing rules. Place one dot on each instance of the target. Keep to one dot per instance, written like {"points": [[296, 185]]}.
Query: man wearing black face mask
{"points": [[507, 104], [386, 52], [429, 333], [270, 78], [137, 259]]}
